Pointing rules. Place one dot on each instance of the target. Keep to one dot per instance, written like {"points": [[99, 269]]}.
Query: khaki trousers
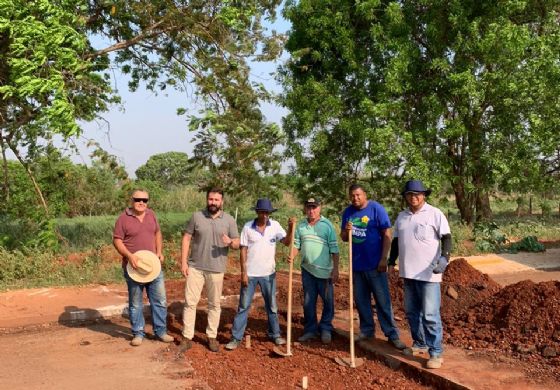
{"points": [[193, 288]]}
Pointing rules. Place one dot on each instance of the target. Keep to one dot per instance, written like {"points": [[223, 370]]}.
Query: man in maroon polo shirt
{"points": [[137, 229]]}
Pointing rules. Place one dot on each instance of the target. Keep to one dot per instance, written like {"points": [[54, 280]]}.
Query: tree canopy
{"points": [[463, 95], [52, 74]]}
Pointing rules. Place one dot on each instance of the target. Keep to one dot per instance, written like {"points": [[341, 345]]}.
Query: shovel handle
{"points": [[290, 276], [351, 300]]}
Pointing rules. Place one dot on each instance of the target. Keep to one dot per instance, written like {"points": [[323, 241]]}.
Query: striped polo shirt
{"points": [[316, 243]]}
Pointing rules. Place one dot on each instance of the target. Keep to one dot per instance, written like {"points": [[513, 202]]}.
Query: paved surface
{"points": [[24, 309]]}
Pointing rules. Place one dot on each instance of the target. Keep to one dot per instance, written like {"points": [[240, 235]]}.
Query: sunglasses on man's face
{"points": [[138, 200]]}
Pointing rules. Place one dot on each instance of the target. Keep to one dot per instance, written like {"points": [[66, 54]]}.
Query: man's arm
{"points": [[446, 245], [335, 259], [288, 239], [243, 266], [185, 247], [159, 245], [394, 252], [386, 237], [124, 252]]}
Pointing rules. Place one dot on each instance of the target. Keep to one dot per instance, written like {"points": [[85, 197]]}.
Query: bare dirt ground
{"points": [[98, 355], [94, 357]]}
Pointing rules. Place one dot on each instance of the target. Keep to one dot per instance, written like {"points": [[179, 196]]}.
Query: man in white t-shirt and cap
{"points": [[258, 267], [422, 242]]}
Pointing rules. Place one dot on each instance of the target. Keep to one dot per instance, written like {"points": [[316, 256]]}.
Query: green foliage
{"points": [[380, 92], [488, 237], [167, 169], [527, 244]]}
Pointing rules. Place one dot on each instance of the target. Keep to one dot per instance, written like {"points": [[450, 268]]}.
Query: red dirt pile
{"points": [[522, 319], [470, 285]]}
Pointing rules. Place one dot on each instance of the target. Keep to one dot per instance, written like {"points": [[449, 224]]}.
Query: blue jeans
{"points": [[421, 304], [313, 287], [158, 305], [367, 283], [268, 290]]}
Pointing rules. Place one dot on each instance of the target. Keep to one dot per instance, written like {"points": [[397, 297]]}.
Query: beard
{"points": [[212, 209]]}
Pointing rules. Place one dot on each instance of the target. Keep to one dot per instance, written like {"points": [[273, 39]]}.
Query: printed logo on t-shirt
{"points": [[359, 229]]}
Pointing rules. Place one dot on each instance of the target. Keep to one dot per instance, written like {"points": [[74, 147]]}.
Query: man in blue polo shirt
{"points": [[371, 242], [258, 267]]}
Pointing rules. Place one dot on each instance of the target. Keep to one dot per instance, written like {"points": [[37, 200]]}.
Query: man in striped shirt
{"points": [[315, 239]]}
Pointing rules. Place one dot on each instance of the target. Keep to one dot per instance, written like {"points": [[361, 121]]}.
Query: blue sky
{"points": [[147, 124]]}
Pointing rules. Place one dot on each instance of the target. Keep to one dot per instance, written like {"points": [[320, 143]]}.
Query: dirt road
{"points": [[94, 357]]}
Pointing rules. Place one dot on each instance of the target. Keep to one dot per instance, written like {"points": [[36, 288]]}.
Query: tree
{"points": [[168, 169], [51, 75], [46, 84], [450, 92], [205, 45]]}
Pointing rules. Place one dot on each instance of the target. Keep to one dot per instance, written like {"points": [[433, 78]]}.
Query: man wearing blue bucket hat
{"points": [[422, 242], [258, 267]]}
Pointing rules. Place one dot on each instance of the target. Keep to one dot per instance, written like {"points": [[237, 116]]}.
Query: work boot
{"points": [[213, 345], [364, 337], [397, 343], [326, 337], [279, 341], [434, 362], [166, 338], [412, 351], [234, 343], [136, 341], [307, 337], [185, 344]]}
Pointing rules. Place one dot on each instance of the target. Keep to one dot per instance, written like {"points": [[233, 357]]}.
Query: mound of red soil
{"points": [[471, 285], [523, 319]]}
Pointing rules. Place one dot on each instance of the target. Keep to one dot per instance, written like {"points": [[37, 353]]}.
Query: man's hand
{"points": [[382, 266], [226, 240], [291, 222], [185, 269], [161, 257], [334, 275], [244, 279], [133, 260], [440, 265], [348, 226]]}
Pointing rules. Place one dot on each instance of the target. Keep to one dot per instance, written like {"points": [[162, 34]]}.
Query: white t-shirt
{"points": [[419, 242], [261, 248]]}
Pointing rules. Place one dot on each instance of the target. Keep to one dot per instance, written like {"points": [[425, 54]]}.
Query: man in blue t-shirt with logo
{"points": [[371, 242]]}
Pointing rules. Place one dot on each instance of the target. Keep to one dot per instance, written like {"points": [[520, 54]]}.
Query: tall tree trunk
{"points": [[483, 210], [463, 201], [6, 185], [32, 178]]}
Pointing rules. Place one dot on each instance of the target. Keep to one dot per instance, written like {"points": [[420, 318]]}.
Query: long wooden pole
{"points": [[290, 276], [351, 299]]}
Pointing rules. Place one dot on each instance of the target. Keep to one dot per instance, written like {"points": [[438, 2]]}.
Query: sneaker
{"points": [[232, 344], [434, 362], [279, 341], [136, 341], [397, 343], [185, 344], [213, 345], [307, 337], [412, 351], [363, 337], [326, 337], [166, 338]]}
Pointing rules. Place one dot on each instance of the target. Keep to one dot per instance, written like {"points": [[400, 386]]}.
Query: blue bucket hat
{"points": [[415, 186], [264, 204]]}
